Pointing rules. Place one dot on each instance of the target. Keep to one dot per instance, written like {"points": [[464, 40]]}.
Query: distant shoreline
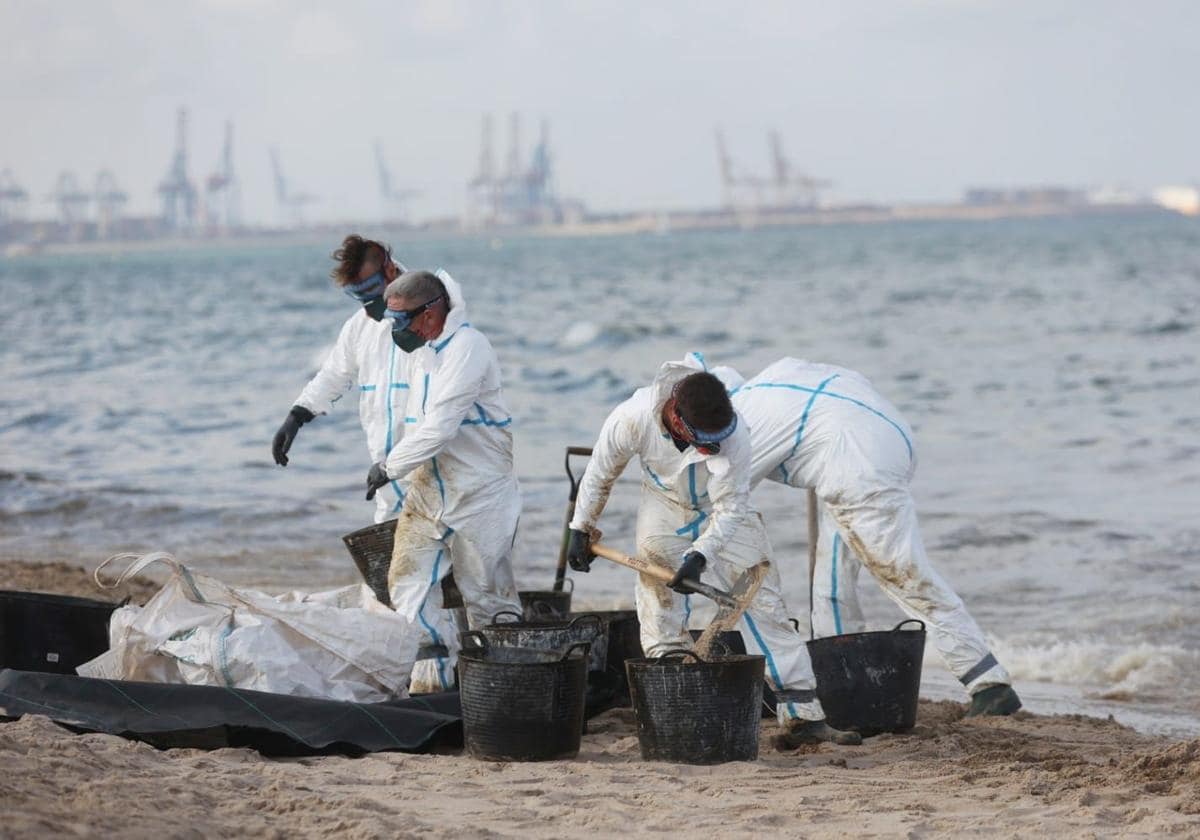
{"points": [[617, 224]]}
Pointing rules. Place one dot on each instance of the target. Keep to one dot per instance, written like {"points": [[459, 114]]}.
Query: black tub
{"points": [[520, 704], [869, 682], [371, 548], [692, 711], [51, 633], [511, 630], [624, 633], [546, 604]]}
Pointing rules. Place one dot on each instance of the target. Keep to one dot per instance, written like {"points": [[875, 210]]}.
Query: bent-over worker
{"points": [[695, 517], [826, 428]]}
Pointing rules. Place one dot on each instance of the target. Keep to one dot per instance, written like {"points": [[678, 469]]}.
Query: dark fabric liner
{"points": [[211, 717]]}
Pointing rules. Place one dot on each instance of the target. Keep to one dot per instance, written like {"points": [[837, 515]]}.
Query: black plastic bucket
{"points": [[697, 711], [51, 633], [520, 704], [731, 642], [869, 682], [623, 631], [549, 635], [371, 548], [546, 604]]}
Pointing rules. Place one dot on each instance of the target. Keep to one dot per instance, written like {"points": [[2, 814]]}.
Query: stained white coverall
{"points": [[410, 398], [826, 428], [696, 502]]}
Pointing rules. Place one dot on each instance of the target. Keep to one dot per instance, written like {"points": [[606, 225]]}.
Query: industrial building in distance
{"points": [[520, 195]]}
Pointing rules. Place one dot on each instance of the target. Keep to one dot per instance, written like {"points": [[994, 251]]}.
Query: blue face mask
{"points": [[369, 293]]}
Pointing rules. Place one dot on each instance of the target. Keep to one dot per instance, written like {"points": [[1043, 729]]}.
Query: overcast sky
{"points": [[890, 99]]}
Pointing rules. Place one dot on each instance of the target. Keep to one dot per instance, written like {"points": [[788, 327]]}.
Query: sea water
{"points": [[1049, 368]]}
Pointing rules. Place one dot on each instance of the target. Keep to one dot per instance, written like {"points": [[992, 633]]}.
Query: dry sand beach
{"points": [[1055, 775]]}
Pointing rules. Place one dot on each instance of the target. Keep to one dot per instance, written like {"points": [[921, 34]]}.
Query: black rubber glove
{"points": [[691, 567], [579, 551], [376, 478], [296, 418]]}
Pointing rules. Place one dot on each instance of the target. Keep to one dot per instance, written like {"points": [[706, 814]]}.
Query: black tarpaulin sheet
{"points": [[210, 717]]}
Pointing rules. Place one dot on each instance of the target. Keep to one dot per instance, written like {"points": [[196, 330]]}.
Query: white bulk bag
{"points": [[339, 645]]}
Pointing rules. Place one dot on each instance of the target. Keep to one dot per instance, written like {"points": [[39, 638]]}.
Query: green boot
{"points": [[994, 700], [801, 732]]}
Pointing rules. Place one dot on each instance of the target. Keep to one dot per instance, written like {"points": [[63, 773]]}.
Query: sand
{"points": [[1064, 775]]}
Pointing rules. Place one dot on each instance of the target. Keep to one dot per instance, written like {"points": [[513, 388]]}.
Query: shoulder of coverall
{"points": [[360, 324], [817, 370], [633, 414]]}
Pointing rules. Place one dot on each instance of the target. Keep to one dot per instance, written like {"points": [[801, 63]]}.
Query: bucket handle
{"points": [[910, 621], [586, 646], [571, 581], [588, 617], [479, 641], [518, 616], [680, 652]]}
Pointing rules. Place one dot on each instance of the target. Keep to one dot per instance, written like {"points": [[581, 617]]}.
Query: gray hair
{"points": [[417, 287]]}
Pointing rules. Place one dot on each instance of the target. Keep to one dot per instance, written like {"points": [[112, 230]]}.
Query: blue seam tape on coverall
{"points": [[433, 634], [836, 396], [833, 599], [770, 659]]}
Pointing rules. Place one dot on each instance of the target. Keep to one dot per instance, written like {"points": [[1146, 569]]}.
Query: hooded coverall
{"points": [[691, 501], [826, 428], [440, 412]]}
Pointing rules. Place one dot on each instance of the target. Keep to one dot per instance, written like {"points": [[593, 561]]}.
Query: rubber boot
{"points": [[802, 732], [994, 700]]}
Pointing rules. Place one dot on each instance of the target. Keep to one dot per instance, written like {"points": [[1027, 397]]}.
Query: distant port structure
{"points": [[783, 189], [517, 192], [521, 194]]}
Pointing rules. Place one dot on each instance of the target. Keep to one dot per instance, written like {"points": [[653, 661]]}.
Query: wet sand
{"points": [[1063, 775]]}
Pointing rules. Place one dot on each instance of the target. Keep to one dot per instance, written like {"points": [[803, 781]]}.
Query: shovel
{"points": [[730, 605], [560, 573]]}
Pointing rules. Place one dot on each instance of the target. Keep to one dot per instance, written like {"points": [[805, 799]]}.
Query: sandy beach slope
{"points": [[1069, 776]]}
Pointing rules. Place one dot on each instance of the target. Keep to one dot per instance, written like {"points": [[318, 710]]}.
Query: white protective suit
{"points": [[826, 428], [692, 501], [454, 467], [393, 389]]}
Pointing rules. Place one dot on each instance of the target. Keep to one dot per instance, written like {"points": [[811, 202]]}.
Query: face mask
{"points": [[369, 293], [402, 319], [407, 340]]}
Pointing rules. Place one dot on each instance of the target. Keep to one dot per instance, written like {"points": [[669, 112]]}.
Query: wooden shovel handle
{"points": [[659, 573], [635, 563]]}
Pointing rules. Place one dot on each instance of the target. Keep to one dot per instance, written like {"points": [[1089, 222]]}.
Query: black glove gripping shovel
{"points": [[560, 573], [730, 605]]}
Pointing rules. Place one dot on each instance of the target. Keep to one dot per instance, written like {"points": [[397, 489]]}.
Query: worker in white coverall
{"points": [[695, 516], [454, 465], [365, 357], [827, 429]]}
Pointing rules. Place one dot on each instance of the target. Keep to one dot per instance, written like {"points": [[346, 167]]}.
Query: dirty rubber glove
{"points": [[376, 478], [296, 418], [579, 551], [691, 567]]}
